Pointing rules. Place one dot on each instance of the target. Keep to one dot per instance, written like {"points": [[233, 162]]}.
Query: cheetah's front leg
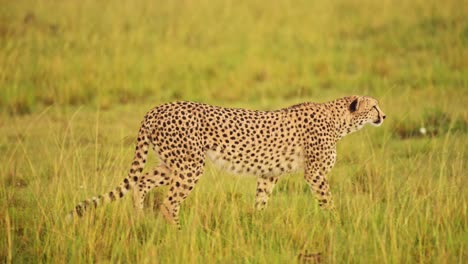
{"points": [[265, 187], [320, 188], [318, 165]]}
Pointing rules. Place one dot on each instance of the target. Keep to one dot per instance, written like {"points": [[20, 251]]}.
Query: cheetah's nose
{"points": [[383, 116]]}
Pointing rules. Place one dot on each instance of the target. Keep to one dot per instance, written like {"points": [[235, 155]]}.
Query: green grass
{"points": [[77, 77]]}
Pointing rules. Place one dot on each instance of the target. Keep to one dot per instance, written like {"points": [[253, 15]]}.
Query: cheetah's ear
{"points": [[354, 105]]}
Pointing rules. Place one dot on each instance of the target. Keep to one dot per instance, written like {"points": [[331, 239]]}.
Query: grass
{"points": [[76, 82]]}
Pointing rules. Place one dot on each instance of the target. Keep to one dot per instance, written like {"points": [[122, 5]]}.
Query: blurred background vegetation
{"points": [[103, 53]]}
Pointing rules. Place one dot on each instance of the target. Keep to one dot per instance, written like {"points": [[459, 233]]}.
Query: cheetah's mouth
{"points": [[379, 120]]}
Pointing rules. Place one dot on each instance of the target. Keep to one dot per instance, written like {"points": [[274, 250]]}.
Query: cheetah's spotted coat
{"points": [[267, 144]]}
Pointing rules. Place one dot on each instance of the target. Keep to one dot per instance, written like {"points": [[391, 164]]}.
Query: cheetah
{"points": [[267, 144]]}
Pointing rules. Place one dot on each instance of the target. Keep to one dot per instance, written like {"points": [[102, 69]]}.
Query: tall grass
{"points": [[75, 83]]}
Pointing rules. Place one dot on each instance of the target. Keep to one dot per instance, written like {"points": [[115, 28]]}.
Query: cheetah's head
{"points": [[364, 110]]}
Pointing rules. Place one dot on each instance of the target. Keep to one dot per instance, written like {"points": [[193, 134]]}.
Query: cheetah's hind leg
{"points": [[182, 184], [159, 176]]}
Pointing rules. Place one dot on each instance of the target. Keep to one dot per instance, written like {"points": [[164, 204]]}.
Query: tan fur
{"points": [[267, 144]]}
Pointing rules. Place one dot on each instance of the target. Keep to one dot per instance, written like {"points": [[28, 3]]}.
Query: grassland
{"points": [[77, 77]]}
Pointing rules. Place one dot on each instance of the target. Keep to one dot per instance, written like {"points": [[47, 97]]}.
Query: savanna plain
{"points": [[77, 77]]}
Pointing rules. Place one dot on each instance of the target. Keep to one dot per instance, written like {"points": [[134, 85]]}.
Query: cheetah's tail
{"points": [[134, 174]]}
